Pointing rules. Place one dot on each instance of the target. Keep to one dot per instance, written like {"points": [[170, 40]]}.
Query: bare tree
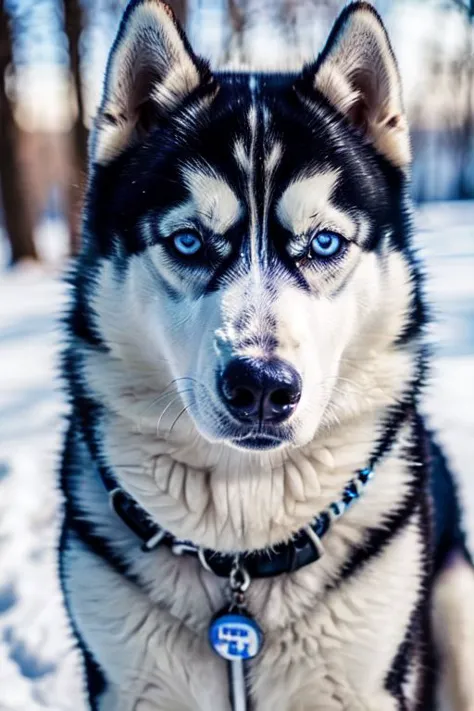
{"points": [[180, 9], [73, 26], [73, 22], [17, 217], [466, 183]]}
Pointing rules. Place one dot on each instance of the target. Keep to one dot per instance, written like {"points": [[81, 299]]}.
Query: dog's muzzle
{"points": [[260, 392]]}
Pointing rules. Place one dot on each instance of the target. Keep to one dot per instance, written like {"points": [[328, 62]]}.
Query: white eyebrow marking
{"points": [[213, 200], [273, 159], [252, 197], [178, 217], [306, 203]]}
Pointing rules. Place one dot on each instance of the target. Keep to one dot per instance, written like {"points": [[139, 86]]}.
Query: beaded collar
{"points": [[304, 548]]}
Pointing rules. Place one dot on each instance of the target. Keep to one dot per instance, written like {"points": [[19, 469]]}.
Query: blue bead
{"points": [[365, 475], [322, 524], [350, 493], [336, 508]]}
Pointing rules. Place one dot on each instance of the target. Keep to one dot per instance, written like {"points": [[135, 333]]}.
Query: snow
{"points": [[38, 665]]}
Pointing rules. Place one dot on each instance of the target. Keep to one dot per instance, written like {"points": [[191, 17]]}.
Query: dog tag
{"points": [[236, 637]]}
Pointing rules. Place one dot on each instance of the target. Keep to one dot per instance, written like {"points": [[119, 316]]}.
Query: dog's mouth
{"points": [[257, 442], [263, 439]]}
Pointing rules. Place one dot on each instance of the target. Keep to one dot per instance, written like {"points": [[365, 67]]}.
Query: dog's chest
{"points": [[324, 649], [338, 652], [330, 637]]}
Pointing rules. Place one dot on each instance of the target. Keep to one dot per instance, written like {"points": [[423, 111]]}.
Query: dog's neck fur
{"points": [[228, 499]]}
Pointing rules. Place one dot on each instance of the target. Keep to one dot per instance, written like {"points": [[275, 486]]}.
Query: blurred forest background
{"points": [[52, 57]]}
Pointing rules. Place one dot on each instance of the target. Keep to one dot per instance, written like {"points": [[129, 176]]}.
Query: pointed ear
{"points": [[358, 74], [150, 71]]}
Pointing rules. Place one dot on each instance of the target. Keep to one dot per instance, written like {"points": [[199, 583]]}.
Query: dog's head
{"points": [[249, 222]]}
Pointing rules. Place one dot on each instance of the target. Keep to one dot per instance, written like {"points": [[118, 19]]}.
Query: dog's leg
{"points": [[453, 632]]}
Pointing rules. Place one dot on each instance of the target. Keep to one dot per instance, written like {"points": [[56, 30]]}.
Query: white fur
{"points": [[306, 205], [251, 189], [213, 199], [323, 650]]}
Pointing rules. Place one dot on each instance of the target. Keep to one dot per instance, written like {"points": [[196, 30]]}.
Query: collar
{"points": [[305, 546]]}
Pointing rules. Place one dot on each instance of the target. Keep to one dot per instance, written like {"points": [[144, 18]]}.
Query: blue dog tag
{"points": [[234, 637]]}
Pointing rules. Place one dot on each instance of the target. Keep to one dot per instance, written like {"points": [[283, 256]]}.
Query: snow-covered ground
{"points": [[38, 667]]}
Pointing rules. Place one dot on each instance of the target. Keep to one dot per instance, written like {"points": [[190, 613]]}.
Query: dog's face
{"points": [[250, 215]]}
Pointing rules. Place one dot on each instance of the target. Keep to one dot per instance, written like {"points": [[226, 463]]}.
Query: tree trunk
{"points": [[180, 9], [17, 217], [73, 27], [467, 149]]}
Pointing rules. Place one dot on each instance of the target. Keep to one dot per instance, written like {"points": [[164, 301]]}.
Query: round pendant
{"points": [[235, 636]]}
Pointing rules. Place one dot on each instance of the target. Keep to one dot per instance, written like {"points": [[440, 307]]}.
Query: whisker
{"points": [[176, 420], [168, 406], [178, 393], [154, 402]]}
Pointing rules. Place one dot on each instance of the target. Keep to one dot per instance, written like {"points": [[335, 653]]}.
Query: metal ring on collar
{"points": [[239, 577], [203, 561]]}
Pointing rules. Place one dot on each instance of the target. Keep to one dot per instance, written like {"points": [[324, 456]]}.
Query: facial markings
{"points": [[183, 216], [272, 155], [264, 151], [212, 204], [306, 205], [257, 155], [215, 203], [252, 192]]}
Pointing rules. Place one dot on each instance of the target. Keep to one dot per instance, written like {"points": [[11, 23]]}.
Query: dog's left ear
{"points": [[358, 74]]}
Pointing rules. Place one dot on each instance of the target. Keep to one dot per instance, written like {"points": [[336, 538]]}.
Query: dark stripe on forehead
{"points": [[256, 156]]}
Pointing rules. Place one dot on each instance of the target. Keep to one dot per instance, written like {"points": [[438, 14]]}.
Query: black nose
{"points": [[260, 390]]}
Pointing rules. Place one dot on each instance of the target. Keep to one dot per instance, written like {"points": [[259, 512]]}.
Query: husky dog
{"points": [[245, 359]]}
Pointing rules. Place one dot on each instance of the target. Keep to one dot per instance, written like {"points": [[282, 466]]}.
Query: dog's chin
{"points": [[268, 438], [245, 439], [263, 438], [258, 442]]}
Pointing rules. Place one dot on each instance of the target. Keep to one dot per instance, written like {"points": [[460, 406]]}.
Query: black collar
{"points": [[302, 549]]}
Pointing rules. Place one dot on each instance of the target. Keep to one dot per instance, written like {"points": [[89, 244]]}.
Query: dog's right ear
{"points": [[150, 71], [357, 73]]}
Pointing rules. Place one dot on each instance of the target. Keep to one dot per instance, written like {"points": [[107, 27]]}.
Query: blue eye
{"points": [[187, 242], [326, 244]]}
